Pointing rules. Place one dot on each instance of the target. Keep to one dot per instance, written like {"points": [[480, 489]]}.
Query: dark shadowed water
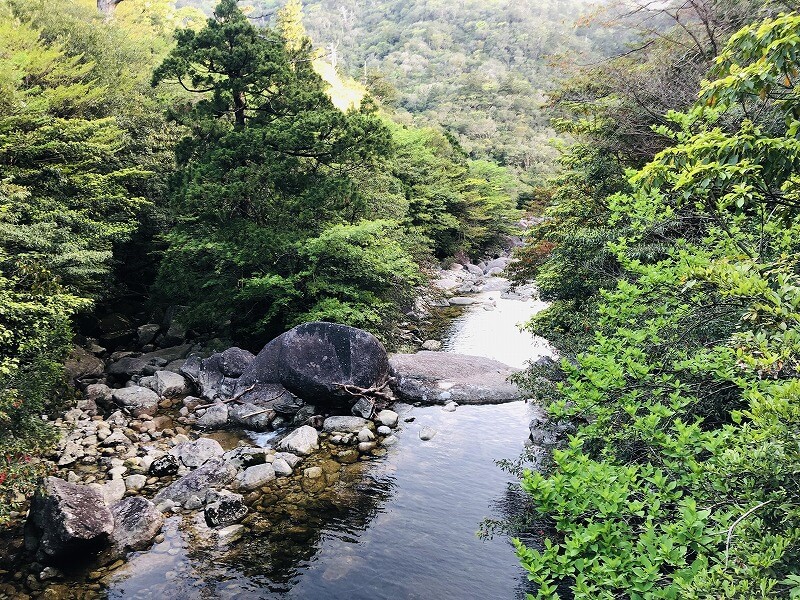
{"points": [[402, 526]]}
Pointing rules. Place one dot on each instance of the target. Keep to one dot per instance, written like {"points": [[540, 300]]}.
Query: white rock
{"points": [[388, 418], [292, 459], [384, 430], [281, 467], [230, 534], [450, 407], [169, 384], [365, 435], [135, 483], [194, 454], [427, 433], [303, 440]]}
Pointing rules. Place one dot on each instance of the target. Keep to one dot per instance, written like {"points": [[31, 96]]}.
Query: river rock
{"points": [[145, 334], [363, 408], [228, 508], [281, 467], [213, 474], [427, 433], [388, 418], [432, 345], [313, 360], [292, 459], [251, 416], [67, 522], [303, 441], [255, 477], [208, 377], [193, 454], [344, 424], [461, 301], [442, 377], [80, 364], [164, 466], [169, 384], [215, 417], [475, 269], [235, 361], [127, 367], [136, 523], [245, 456], [384, 430], [135, 483], [137, 400]]}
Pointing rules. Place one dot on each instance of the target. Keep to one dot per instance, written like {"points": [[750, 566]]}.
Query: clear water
{"points": [[399, 527]]}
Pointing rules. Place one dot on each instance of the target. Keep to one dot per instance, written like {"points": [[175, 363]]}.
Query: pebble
{"points": [[384, 430]]}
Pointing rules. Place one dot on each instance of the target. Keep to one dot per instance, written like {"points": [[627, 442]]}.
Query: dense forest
{"points": [[141, 173], [670, 256], [479, 69]]}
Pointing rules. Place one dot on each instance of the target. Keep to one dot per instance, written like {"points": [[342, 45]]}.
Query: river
{"points": [[403, 527]]}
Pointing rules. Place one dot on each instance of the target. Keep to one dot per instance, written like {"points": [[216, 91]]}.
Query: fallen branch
{"points": [[359, 392], [234, 398], [735, 523]]}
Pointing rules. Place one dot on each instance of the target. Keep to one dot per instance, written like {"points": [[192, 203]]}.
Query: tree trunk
{"points": [[107, 6]]}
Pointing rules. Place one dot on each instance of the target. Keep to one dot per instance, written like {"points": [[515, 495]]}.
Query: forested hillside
{"points": [[209, 170], [670, 254], [478, 68]]}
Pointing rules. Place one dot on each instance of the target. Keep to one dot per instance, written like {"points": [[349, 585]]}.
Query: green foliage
{"points": [[682, 479], [77, 143], [268, 212]]}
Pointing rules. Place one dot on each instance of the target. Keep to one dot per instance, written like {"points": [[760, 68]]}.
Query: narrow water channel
{"points": [[403, 527]]}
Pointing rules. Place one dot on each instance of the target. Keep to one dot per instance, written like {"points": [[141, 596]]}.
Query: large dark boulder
{"points": [[314, 361], [67, 522], [208, 376]]}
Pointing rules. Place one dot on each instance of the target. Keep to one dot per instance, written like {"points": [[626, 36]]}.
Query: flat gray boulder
{"points": [[215, 473], [67, 522], [169, 384], [442, 377], [344, 424], [137, 400], [193, 454]]}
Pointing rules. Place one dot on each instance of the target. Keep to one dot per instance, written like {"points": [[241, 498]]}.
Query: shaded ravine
{"points": [[402, 526]]}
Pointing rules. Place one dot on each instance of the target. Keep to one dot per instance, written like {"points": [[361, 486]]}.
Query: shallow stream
{"points": [[402, 526]]}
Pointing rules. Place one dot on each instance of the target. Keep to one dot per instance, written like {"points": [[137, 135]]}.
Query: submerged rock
{"points": [[67, 522], [228, 508], [443, 377]]}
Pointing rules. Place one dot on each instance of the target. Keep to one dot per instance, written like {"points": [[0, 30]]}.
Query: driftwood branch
{"points": [[360, 392], [234, 398]]}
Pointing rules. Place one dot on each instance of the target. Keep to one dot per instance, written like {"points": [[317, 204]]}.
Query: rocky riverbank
{"points": [[141, 445]]}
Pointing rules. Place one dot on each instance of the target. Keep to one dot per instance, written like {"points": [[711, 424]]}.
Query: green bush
{"points": [[682, 480]]}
